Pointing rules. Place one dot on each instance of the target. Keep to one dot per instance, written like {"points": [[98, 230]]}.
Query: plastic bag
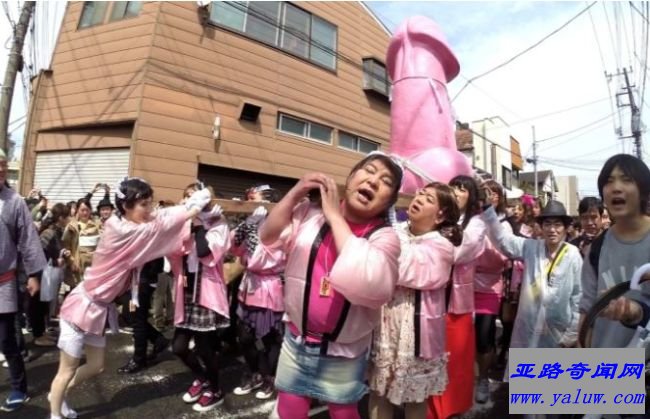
{"points": [[51, 282]]}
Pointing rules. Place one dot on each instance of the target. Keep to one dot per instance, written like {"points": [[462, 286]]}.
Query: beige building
{"points": [[493, 152], [232, 93], [567, 193]]}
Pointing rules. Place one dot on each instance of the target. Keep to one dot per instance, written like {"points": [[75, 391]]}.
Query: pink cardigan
{"points": [[465, 260], [213, 293], [123, 249], [425, 266], [490, 267], [365, 272], [262, 284]]}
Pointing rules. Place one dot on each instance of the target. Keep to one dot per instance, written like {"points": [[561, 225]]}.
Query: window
{"points": [[282, 25], [375, 77], [507, 177], [295, 31], [230, 14], [306, 129], [93, 13], [125, 9], [356, 143], [323, 42], [262, 21]]}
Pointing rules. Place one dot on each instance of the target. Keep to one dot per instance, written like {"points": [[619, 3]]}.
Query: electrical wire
{"points": [[576, 129], [558, 112], [508, 61], [568, 140], [493, 99], [566, 166]]}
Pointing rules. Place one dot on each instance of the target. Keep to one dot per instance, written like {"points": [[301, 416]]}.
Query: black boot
{"points": [[132, 367]]}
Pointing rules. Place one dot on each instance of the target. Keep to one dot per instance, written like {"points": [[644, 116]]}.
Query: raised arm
{"points": [[281, 215], [473, 242], [504, 239], [366, 270]]}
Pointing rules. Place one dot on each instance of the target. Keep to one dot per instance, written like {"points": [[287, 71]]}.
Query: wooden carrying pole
{"points": [[246, 207]]}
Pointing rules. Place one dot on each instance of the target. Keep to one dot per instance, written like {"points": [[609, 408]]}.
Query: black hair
{"points": [[473, 205], [130, 191], [634, 168], [86, 202], [590, 202], [392, 167], [52, 217]]}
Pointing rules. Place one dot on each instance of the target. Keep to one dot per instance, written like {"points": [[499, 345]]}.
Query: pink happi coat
{"points": [[125, 246], [425, 267], [365, 273], [490, 267], [465, 258], [261, 285], [213, 292]]}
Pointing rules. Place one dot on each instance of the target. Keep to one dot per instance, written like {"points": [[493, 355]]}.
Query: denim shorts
{"points": [[303, 371]]}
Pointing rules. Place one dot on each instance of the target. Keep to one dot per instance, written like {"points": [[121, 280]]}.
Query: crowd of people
{"points": [[328, 297]]}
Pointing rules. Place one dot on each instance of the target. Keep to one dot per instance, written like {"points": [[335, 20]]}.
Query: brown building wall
{"points": [[173, 76]]}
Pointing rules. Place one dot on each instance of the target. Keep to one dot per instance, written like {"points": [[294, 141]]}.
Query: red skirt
{"points": [[458, 397]]}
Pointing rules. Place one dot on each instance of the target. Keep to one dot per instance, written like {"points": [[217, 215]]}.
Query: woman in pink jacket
{"points": [[488, 291], [459, 394], [261, 303], [341, 268], [201, 306], [130, 239], [409, 361]]}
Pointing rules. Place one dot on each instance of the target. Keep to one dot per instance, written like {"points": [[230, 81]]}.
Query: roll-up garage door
{"points": [[68, 175]]}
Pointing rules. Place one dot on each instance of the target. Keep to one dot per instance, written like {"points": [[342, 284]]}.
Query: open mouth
{"points": [[618, 202], [366, 195]]}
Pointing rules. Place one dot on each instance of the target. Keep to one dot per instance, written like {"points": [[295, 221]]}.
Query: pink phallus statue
{"points": [[420, 63]]}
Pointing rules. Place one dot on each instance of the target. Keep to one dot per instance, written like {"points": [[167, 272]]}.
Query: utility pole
{"points": [[635, 123], [636, 117], [533, 160], [13, 65]]}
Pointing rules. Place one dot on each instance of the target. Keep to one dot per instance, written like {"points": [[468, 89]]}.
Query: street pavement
{"points": [[156, 392]]}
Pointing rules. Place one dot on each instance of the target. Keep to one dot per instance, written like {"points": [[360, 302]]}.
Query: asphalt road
{"points": [[156, 392]]}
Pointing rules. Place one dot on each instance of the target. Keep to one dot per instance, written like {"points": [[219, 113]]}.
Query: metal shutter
{"points": [[69, 175]]}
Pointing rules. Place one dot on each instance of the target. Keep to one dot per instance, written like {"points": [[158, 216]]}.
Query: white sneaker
{"points": [[2, 357], [66, 410], [483, 391]]}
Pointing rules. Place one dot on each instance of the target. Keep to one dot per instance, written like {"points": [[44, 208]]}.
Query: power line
{"points": [[565, 166], [639, 12], [568, 140], [471, 80], [576, 129], [474, 85], [559, 111], [493, 142]]}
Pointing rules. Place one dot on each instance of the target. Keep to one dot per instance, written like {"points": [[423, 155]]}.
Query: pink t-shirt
{"points": [[325, 311]]}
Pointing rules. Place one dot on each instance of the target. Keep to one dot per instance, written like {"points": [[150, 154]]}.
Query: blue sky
{"points": [[564, 71]]}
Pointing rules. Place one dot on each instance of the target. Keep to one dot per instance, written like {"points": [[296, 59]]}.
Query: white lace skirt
{"points": [[395, 372]]}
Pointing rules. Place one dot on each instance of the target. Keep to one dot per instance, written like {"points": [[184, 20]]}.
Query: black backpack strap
{"points": [[450, 286], [594, 251], [333, 335]]}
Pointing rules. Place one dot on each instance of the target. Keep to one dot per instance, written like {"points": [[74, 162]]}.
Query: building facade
{"points": [[567, 193], [232, 93], [493, 152]]}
